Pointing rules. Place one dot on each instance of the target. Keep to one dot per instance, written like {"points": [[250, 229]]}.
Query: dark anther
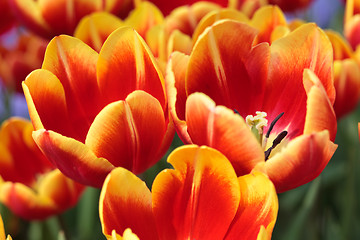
{"points": [[277, 140], [236, 111], [273, 124]]}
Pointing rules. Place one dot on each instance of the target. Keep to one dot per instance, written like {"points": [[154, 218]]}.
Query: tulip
{"points": [[29, 184], [50, 18], [19, 60], [248, 7], [352, 22], [201, 198], [289, 82], [94, 29], [346, 75], [94, 112]]}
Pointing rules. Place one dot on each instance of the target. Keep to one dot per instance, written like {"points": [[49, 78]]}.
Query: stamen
{"points": [[272, 124], [277, 140]]}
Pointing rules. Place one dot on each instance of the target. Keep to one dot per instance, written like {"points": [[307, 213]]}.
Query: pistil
{"points": [[257, 124]]}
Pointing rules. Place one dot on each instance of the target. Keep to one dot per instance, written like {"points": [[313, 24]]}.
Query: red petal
{"points": [[301, 161], [73, 158], [125, 202], [175, 89], [20, 160], [74, 64], [258, 207], [305, 47], [347, 85], [201, 193], [222, 129], [320, 114], [129, 133], [95, 28], [46, 102], [224, 66], [126, 64]]}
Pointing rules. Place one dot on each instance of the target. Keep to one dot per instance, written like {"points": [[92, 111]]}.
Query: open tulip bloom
{"points": [[93, 111], [29, 184], [201, 198], [287, 85]]}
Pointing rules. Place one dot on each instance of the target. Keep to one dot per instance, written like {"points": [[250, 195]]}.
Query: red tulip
{"points": [[93, 112], [29, 184], [293, 75], [201, 198]]}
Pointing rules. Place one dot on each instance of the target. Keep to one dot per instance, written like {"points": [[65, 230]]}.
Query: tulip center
{"points": [[257, 123]]}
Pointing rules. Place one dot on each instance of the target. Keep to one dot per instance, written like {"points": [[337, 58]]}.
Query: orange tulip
{"points": [[50, 18], [29, 185], [94, 29], [293, 76], [17, 61], [346, 75], [248, 7], [93, 112], [352, 22], [201, 198]]}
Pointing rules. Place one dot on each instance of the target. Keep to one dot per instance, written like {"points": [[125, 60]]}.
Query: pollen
{"points": [[258, 121]]}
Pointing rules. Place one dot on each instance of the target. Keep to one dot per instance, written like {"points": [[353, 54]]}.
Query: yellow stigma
{"points": [[257, 124]]}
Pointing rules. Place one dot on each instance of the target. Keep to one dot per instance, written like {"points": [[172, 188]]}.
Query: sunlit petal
{"points": [[201, 193], [125, 202]]}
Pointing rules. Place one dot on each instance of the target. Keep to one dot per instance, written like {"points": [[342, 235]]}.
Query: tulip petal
{"points": [[175, 89], [224, 66], [214, 16], [25, 203], [351, 30], [186, 18], [347, 85], [301, 161], [63, 15], [129, 133], [266, 19], [179, 42], [258, 207], [201, 193], [342, 49], [222, 129], [125, 202], [63, 191], [143, 17], [320, 114], [126, 64], [74, 64], [29, 13], [95, 28], [73, 158], [20, 160], [305, 47], [46, 102]]}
